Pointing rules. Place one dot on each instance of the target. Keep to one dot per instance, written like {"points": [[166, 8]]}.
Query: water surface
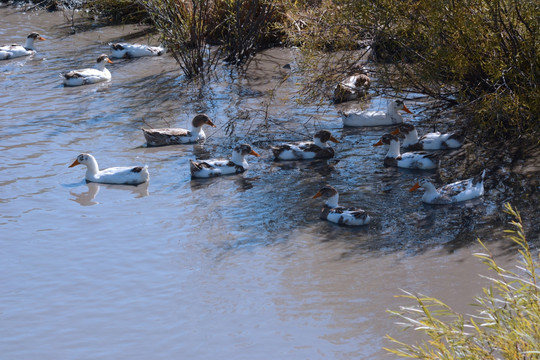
{"points": [[232, 268]]}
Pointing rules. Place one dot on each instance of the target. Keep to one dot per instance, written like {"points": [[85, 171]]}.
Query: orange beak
{"points": [[415, 186], [254, 153], [317, 195], [333, 139], [41, 38], [406, 110], [208, 122], [395, 132], [380, 143], [109, 61], [75, 163]]}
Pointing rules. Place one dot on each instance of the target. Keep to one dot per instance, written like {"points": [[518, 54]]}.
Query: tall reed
{"points": [[506, 325]]}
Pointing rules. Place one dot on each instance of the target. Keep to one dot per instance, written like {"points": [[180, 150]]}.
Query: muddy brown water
{"points": [[226, 268]]}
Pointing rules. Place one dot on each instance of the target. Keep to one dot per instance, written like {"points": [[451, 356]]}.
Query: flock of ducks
{"points": [[414, 157]]}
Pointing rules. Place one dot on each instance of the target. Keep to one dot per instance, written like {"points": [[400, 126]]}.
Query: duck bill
{"points": [[209, 122], [380, 143], [317, 195], [41, 38], [406, 110], [254, 153], [414, 187], [109, 61], [395, 132], [334, 139], [75, 163]]}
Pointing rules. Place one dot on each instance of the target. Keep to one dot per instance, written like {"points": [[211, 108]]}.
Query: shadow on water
{"points": [[268, 213], [88, 198]]}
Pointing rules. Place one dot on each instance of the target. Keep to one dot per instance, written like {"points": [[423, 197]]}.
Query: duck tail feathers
{"points": [[479, 178], [195, 167], [276, 151]]}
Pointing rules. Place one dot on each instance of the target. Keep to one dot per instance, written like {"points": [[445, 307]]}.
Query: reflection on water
{"points": [[87, 198], [241, 183], [230, 267]]}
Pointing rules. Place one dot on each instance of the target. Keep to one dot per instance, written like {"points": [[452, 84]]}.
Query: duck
{"points": [[212, 168], [127, 51], [175, 136], [89, 76], [429, 141], [133, 175], [410, 160], [353, 87], [16, 50], [376, 118], [455, 192], [332, 212], [316, 149]]}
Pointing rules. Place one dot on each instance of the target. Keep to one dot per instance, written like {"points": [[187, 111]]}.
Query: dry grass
{"points": [[507, 325]]}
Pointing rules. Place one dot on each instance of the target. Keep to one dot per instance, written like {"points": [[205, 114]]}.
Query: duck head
{"points": [[330, 194], [83, 159], [386, 139], [404, 129], [424, 183], [103, 58], [321, 137], [245, 149], [200, 120], [30, 40], [35, 36], [399, 105]]}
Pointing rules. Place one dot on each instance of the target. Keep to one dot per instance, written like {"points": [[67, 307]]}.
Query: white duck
{"points": [[429, 141], [338, 214], [410, 160], [89, 76], [455, 192], [212, 168], [376, 118], [126, 50], [16, 50], [174, 136], [115, 175], [316, 149]]}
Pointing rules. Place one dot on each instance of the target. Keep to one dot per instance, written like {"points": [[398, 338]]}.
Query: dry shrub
{"points": [[117, 11], [184, 27], [238, 28]]}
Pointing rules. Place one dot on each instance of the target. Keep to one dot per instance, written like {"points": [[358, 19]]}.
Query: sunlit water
{"points": [[226, 268]]}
